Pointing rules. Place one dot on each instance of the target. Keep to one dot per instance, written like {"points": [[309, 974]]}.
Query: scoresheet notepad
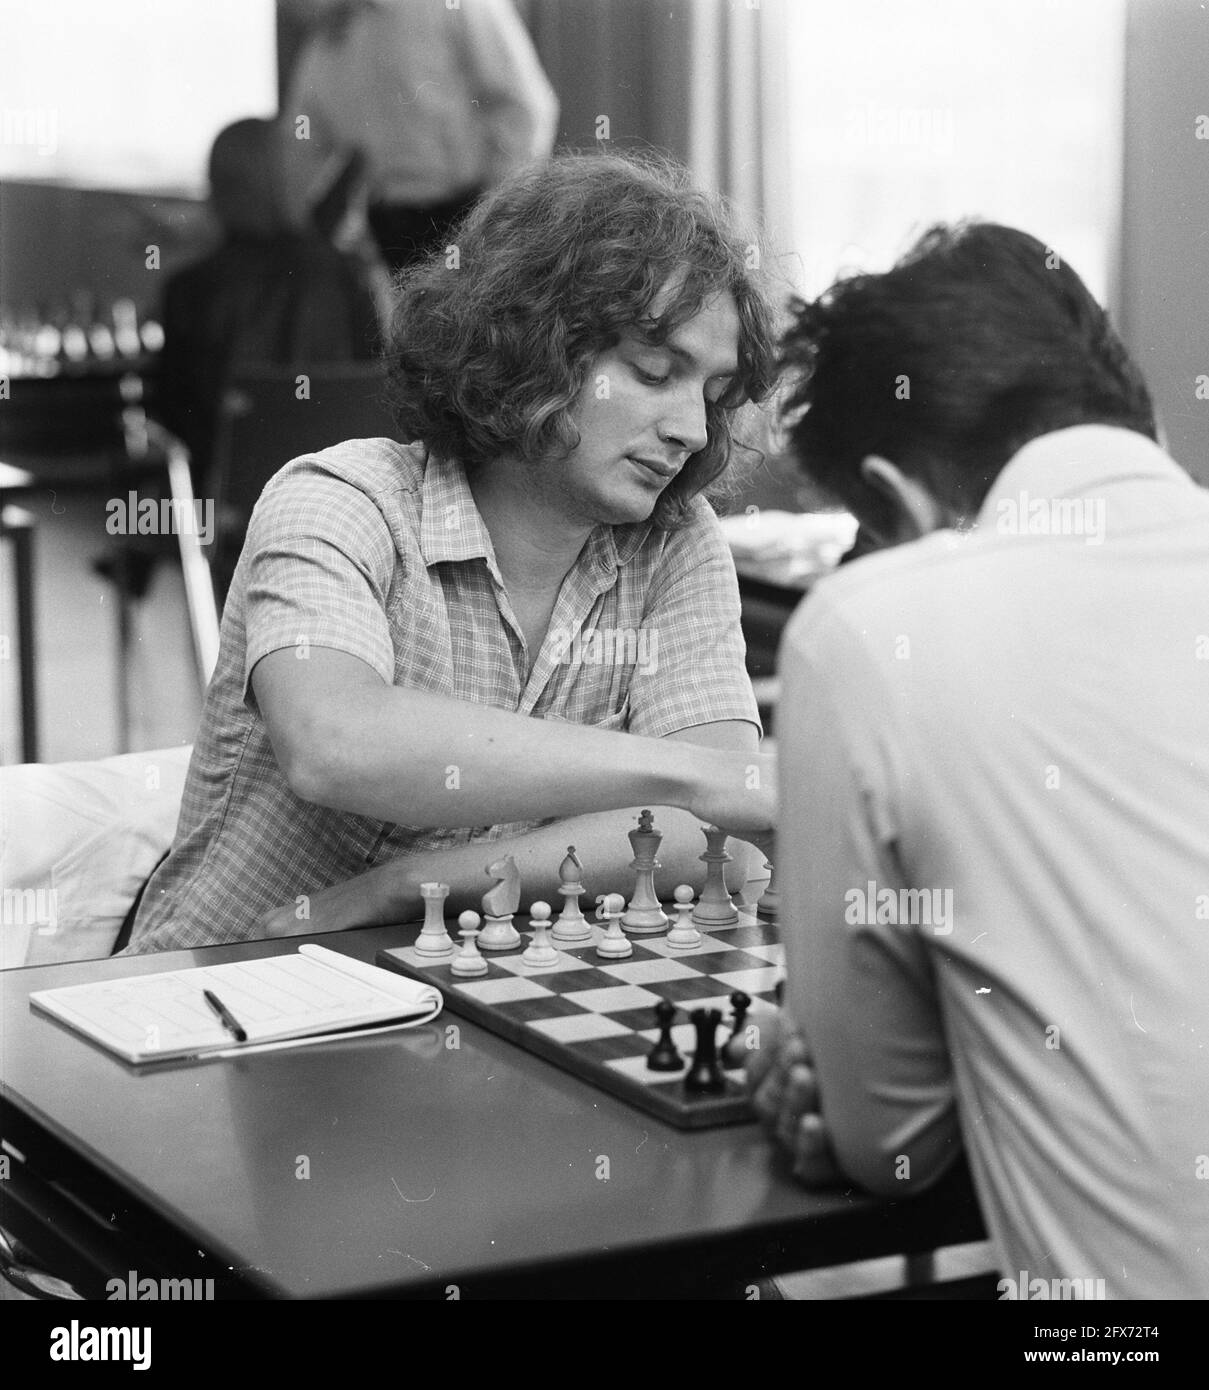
{"points": [[307, 997]]}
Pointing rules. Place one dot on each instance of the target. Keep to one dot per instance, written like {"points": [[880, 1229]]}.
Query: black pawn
{"points": [[734, 1050], [663, 1056], [705, 1075]]}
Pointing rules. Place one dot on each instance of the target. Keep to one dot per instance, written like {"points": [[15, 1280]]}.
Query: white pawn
{"points": [[614, 944], [769, 906], [684, 934], [434, 941], [539, 951], [468, 961]]}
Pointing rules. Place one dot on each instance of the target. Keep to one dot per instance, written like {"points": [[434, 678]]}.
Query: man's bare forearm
{"points": [[601, 845], [390, 892], [418, 759], [413, 758]]}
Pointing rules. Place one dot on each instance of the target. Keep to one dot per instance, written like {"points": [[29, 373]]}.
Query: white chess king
{"points": [[644, 916]]}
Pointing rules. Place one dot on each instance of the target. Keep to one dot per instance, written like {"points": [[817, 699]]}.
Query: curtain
{"points": [[738, 142], [701, 79]]}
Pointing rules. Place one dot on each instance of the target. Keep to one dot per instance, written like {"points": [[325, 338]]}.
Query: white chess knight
{"points": [[499, 906]]}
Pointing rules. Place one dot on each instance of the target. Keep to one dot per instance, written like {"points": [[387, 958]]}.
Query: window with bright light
{"points": [[908, 112], [129, 93]]}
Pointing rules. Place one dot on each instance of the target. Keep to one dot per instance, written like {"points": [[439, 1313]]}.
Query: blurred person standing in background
{"points": [[432, 104]]}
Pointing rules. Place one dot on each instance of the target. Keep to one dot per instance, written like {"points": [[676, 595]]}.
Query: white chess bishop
{"points": [[572, 926]]}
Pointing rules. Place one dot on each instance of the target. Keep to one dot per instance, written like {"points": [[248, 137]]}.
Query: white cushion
{"points": [[77, 841]]}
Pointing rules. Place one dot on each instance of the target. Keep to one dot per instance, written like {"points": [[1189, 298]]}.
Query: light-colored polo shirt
{"points": [[376, 549], [994, 856]]}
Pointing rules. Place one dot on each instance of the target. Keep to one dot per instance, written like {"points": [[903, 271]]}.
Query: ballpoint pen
{"points": [[225, 1016]]}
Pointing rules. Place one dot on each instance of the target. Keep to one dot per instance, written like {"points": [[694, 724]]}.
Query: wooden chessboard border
{"points": [[665, 1100]]}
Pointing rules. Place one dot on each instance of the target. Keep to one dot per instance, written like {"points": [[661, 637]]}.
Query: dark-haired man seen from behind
{"points": [[994, 740]]}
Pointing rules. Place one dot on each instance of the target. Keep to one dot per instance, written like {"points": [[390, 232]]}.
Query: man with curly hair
{"points": [[516, 624]]}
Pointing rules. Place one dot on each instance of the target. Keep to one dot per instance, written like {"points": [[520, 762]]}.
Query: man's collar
{"points": [[1069, 462], [610, 547], [451, 527]]}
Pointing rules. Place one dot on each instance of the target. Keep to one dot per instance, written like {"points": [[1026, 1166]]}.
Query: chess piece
{"points": [[684, 935], [714, 906], [572, 925], [613, 945], [434, 941], [468, 961], [769, 906], [499, 905], [704, 1076], [663, 1056], [734, 1049], [644, 916], [539, 952]]}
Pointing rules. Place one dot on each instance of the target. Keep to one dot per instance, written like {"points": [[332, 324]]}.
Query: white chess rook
{"points": [[714, 907], [434, 941], [644, 916]]}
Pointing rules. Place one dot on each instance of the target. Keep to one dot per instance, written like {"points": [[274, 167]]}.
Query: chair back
{"points": [[269, 415]]}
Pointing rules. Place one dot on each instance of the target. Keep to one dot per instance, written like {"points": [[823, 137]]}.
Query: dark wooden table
{"points": [[398, 1166]]}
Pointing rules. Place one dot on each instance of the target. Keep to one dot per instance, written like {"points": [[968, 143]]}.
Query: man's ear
{"points": [[915, 510]]}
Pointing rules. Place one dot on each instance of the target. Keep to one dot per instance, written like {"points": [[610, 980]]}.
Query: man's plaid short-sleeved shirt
{"points": [[377, 549]]}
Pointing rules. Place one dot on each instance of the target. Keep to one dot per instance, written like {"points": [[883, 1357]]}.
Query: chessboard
{"points": [[595, 1017]]}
